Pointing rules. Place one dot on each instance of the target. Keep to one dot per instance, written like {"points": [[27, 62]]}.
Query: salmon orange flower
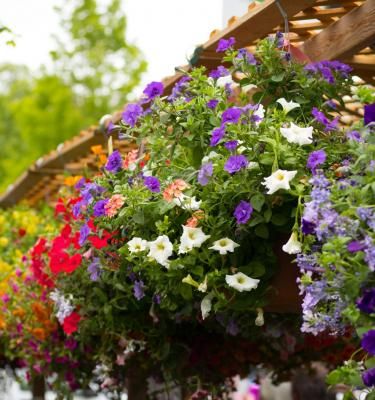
{"points": [[130, 160], [174, 190], [114, 204]]}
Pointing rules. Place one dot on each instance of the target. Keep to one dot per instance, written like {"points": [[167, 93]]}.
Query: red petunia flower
{"points": [[70, 323], [73, 263]]}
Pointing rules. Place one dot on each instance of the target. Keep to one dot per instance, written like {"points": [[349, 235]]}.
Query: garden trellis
{"points": [[322, 29]]}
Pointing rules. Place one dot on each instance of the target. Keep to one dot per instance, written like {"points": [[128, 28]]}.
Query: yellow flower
{"points": [[3, 241], [72, 180], [97, 149]]}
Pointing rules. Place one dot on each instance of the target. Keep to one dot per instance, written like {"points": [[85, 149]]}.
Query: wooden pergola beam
{"points": [[257, 23], [345, 37], [50, 165]]}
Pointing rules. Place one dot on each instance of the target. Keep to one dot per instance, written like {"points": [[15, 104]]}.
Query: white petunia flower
{"points": [[259, 113], [190, 281], [137, 245], [206, 305], [298, 135], [191, 237], [247, 88], [184, 248], [279, 180], [252, 165], [225, 80], [160, 250], [259, 320], [211, 156], [63, 304], [224, 245], [203, 286], [187, 203], [241, 282], [292, 246], [287, 105]]}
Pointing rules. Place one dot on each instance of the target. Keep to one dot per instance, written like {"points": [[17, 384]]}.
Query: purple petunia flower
{"points": [[178, 88], [80, 184], [366, 303], [76, 209], [245, 55], [131, 114], [94, 269], [152, 184], [216, 135], [322, 119], [99, 208], [279, 39], [231, 145], [84, 233], [308, 227], [316, 158], [70, 344], [219, 72], [212, 104], [153, 90], [243, 212], [138, 290], [368, 342], [232, 328], [110, 127], [354, 135], [225, 44], [326, 69], [331, 104], [88, 192], [231, 115], [114, 162], [205, 173], [235, 163], [369, 253], [156, 298], [355, 246], [369, 113], [368, 377]]}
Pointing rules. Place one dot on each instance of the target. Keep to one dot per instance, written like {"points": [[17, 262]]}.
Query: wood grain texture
{"points": [[345, 37]]}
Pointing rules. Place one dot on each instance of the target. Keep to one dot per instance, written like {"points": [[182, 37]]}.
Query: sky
{"points": [[167, 31]]}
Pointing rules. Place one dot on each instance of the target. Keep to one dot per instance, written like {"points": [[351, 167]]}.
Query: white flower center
{"points": [[160, 246], [191, 235], [240, 280], [223, 243], [280, 176]]}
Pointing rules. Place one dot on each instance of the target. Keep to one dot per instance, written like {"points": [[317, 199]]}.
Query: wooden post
{"points": [[38, 387]]}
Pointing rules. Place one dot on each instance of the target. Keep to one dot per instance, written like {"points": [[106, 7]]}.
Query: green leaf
{"points": [[267, 215], [262, 231], [334, 377], [279, 219], [278, 77], [186, 292], [139, 217], [257, 201], [245, 81]]}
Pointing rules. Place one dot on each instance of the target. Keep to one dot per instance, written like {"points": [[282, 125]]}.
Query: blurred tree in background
{"points": [[94, 71]]}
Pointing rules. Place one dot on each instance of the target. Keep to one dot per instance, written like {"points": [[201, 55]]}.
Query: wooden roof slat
{"points": [[345, 37], [257, 23], [322, 14], [362, 61]]}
